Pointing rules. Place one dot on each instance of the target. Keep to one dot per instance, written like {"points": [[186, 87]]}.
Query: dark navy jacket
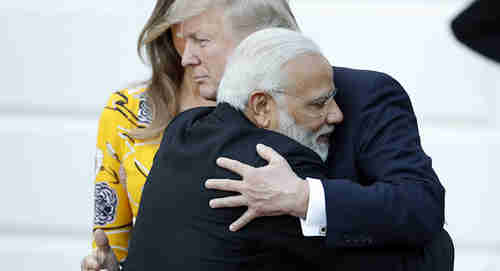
{"points": [[175, 227], [384, 202]]}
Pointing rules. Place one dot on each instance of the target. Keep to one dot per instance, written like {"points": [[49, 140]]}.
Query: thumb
{"points": [[269, 154], [101, 240]]}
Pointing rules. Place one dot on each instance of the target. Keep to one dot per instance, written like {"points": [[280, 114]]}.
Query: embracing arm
{"points": [[401, 201]]}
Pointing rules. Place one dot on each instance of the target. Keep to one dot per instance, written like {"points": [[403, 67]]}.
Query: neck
{"points": [[251, 118], [189, 97]]}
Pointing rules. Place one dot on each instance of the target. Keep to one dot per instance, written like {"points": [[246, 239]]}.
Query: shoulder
{"points": [[129, 105], [360, 88], [304, 161], [283, 144], [127, 96], [241, 145], [342, 74], [358, 80], [191, 123]]}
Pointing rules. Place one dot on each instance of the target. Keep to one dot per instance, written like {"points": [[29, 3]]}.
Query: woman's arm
{"points": [[112, 212]]}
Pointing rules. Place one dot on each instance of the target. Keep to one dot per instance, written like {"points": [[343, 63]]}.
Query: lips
{"points": [[200, 78]]}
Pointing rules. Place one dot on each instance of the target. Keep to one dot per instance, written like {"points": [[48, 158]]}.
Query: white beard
{"points": [[288, 127]]}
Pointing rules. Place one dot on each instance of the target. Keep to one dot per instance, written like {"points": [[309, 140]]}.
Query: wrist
{"points": [[302, 199]]}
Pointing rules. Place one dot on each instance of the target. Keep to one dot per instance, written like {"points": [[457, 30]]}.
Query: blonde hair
{"points": [[156, 44], [244, 16], [156, 41]]}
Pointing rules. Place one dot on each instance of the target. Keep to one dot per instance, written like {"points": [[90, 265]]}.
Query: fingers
{"points": [[233, 165], [103, 248], [234, 201], [101, 240], [224, 185], [268, 153], [244, 219], [90, 263]]}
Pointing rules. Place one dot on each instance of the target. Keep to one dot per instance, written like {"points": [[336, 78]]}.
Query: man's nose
{"points": [[189, 57], [334, 115]]}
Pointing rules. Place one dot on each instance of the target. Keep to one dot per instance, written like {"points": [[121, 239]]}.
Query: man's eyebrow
{"points": [[197, 36], [190, 35], [190, 32], [326, 96]]}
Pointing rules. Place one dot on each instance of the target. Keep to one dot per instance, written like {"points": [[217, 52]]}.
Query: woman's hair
{"points": [[156, 41], [156, 44]]}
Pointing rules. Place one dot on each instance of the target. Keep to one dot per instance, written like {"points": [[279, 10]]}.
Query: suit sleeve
{"points": [[477, 28], [402, 201]]}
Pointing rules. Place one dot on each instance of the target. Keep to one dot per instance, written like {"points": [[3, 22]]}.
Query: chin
{"points": [[208, 92], [321, 150]]}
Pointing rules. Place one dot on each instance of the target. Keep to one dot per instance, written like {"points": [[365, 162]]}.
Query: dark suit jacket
{"points": [[384, 202], [177, 230], [385, 205], [478, 28]]}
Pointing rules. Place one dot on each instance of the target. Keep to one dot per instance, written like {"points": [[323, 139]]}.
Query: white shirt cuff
{"points": [[315, 222]]}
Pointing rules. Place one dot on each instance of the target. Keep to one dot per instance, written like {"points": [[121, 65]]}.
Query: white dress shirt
{"points": [[314, 224]]}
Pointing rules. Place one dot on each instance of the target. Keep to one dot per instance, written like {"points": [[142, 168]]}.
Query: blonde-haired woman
{"points": [[130, 129]]}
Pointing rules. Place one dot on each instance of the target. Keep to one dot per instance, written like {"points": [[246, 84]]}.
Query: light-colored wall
{"points": [[61, 60]]}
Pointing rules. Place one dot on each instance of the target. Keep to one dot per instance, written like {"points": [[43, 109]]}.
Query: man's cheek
{"points": [[209, 91]]}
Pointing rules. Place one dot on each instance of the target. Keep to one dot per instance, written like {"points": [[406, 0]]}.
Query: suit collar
{"points": [[228, 113]]}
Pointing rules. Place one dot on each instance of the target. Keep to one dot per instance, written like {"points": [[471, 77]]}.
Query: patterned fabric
{"points": [[106, 202], [121, 165]]}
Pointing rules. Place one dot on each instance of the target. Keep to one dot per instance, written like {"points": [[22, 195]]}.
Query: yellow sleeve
{"points": [[112, 211]]}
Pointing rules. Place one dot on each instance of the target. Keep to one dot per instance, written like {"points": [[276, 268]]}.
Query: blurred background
{"points": [[62, 59]]}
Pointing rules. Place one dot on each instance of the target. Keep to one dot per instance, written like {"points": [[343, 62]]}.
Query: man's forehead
{"points": [[308, 73], [209, 21], [307, 66]]}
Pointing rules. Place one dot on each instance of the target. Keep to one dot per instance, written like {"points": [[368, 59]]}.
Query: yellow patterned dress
{"points": [[122, 164]]}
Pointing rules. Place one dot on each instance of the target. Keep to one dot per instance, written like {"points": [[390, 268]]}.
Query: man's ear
{"points": [[260, 108]]}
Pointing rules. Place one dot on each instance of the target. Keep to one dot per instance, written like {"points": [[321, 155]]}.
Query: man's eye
{"points": [[202, 42], [318, 104]]}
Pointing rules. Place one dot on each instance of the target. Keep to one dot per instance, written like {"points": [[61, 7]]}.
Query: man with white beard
{"points": [[288, 127], [292, 78], [276, 83]]}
